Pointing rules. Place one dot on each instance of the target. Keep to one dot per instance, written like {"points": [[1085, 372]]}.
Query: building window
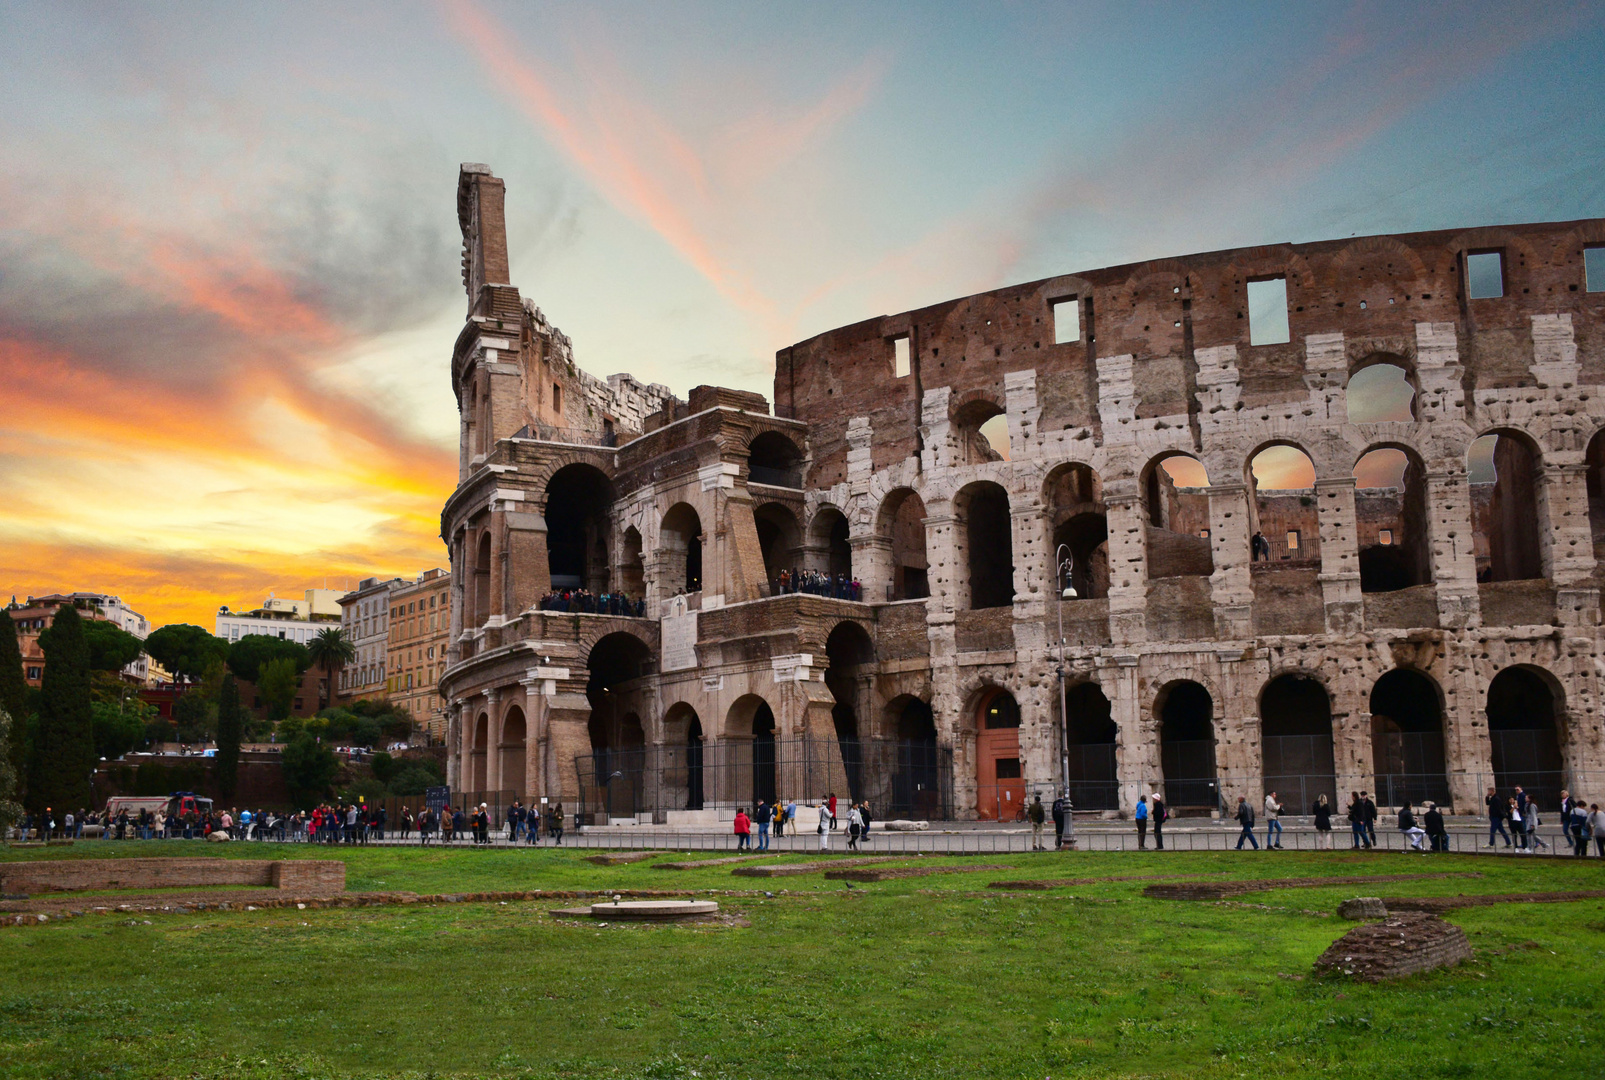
{"points": [[1485, 275], [34, 672], [557, 398], [1384, 536], [1292, 540], [1066, 321], [1267, 311], [1594, 269]]}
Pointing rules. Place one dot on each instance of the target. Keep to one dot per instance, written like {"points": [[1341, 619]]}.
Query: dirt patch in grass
{"points": [[1221, 890], [891, 872], [792, 869], [1449, 903]]}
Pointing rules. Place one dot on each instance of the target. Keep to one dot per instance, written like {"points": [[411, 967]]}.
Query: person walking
{"points": [[765, 816], [1356, 821], [557, 822], [1578, 825], [1245, 818], [1140, 816], [1322, 812], [743, 830], [1273, 821], [1368, 819], [863, 812], [1437, 835], [1158, 813], [825, 825], [1058, 823], [832, 809], [1518, 827], [1529, 824], [1412, 832], [780, 817], [1039, 816], [855, 827], [791, 813], [1596, 821], [1497, 809], [1566, 817]]}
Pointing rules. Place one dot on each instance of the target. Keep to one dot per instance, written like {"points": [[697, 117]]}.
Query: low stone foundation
{"points": [[312, 877], [892, 872], [1400, 945]]}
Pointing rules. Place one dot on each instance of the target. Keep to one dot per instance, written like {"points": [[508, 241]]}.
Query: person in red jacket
{"points": [[743, 830]]}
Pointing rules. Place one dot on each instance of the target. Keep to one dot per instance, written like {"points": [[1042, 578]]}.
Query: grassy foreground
{"points": [[920, 977]]}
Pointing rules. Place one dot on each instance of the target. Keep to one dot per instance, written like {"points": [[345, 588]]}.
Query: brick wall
{"points": [[316, 876]]}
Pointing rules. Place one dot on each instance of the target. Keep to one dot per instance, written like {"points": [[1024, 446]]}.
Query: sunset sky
{"points": [[229, 254]]}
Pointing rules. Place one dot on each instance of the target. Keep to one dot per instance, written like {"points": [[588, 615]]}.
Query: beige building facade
{"points": [[420, 624]]}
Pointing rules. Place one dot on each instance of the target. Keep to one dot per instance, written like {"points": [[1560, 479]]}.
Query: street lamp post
{"points": [[1065, 563]]}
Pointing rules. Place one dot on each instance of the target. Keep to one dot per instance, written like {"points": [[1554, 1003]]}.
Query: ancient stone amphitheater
{"points": [[1308, 518]]}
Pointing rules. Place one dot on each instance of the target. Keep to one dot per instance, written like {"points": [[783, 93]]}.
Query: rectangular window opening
{"points": [[1008, 768], [1292, 539], [1267, 312], [1384, 536], [1485, 274], [900, 361], [1594, 269], [557, 398], [1066, 321]]}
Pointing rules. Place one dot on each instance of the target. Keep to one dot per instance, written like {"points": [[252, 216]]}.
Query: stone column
{"points": [[1231, 585], [1454, 555], [1137, 733], [1563, 509], [1128, 563], [1340, 556], [493, 741], [872, 565]]}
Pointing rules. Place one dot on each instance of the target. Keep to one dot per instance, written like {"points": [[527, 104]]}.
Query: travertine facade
{"points": [[1380, 652]]}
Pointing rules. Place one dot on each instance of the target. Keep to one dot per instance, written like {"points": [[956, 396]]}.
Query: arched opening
{"points": [[1074, 499], [851, 656], [763, 755], [1176, 505], [482, 580], [1390, 510], [682, 777], [618, 741], [917, 783], [511, 752], [1524, 719], [1000, 780], [1407, 739], [1295, 715], [1186, 715], [1503, 468], [985, 534], [680, 544], [902, 523], [579, 501], [478, 765], [1285, 528], [779, 537], [1596, 492], [1093, 782], [829, 549], [775, 460], [1381, 391], [632, 570], [981, 432]]}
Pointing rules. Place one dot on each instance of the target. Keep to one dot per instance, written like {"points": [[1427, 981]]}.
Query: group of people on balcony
{"points": [[583, 601], [838, 586]]}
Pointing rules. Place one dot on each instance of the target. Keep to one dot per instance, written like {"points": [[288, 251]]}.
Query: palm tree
{"points": [[331, 650]]}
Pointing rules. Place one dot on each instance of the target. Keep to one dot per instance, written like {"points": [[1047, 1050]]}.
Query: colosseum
{"points": [[1305, 517]]}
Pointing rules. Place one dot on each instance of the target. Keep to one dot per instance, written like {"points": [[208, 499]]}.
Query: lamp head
{"points": [[1069, 593]]}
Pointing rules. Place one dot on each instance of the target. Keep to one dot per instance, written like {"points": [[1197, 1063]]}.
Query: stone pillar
{"points": [[872, 565], [1137, 764], [1352, 760], [1020, 404], [1454, 555], [454, 745], [493, 741], [1563, 508], [1467, 750], [1231, 585], [526, 562], [1239, 751], [1340, 556], [1128, 563], [1033, 569]]}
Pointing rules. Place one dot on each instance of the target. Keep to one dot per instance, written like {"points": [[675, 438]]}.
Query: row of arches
{"points": [[1408, 762]]}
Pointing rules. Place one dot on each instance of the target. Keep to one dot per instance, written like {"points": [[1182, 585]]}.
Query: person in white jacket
{"points": [[824, 826]]}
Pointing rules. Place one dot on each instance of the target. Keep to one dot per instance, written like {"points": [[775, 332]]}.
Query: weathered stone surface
{"points": [[1400, 945], [654, 910], [1363, 907], [795, 869], [621, 858], [313, 876], [903, 825]]}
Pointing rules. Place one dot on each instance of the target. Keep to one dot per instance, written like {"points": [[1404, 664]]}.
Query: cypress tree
{"points": [[13, 698], [64, 754], [226, 767]]}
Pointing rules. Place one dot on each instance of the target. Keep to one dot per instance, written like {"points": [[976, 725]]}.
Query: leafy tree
{"points": [[185, 650], [111, 648], [247, 655], [194, 718], [394, 722], [13, 701], [366, 789], [278, 681], [9, 810], [119, 728], [65, 748], [226, 768], [309, 769], [212, 679], [384, 767], [331, 650], [415, 776]]}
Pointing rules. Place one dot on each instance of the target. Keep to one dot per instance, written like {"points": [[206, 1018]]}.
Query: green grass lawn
{"points": [[917, 977]]}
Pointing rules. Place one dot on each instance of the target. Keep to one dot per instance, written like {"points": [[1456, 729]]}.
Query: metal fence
{"points": [[897, 778]]}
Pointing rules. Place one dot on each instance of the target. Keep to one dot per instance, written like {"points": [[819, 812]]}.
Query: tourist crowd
{"points": [[839, 586], [585, 602]]}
